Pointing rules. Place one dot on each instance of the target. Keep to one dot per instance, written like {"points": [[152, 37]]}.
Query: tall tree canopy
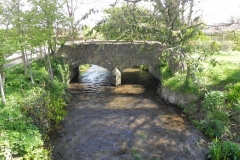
{"points": [[170, 22]]}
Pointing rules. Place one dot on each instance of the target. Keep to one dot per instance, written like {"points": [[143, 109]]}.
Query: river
{"points": [[126, 122]]}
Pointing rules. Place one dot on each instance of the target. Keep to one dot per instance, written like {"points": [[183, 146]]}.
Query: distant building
{"points": [[219, 31]]}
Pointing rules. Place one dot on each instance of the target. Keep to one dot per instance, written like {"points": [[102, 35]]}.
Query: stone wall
{"points": [[111, 54], [154, 70], [174, 97]]}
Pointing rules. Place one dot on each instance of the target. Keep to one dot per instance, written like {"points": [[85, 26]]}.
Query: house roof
{"points": [[221, 28]]}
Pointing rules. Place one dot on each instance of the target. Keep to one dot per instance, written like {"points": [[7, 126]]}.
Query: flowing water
{"points": [[126, 122]]}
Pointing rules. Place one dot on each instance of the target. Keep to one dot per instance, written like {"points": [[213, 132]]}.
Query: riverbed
{"points": [[125, 122]]}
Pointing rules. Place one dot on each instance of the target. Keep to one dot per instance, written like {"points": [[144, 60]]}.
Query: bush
{"points": [[227, 45], [45, 108], [235, 37], [31, 110], [213, 101], [208, 46], [213, 128], [18, 136], [190, 108], [225, 150], [233, 93], [215, 46], [235, 114], [215, 124]]}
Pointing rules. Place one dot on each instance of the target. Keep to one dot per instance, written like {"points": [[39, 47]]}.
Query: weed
{"points": [[233, 93], [136, 154], [190, 109], [225, 150], [213, 100], [213, 128]]}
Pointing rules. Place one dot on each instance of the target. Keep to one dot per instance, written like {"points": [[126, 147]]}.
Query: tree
{"points": [[170, 22], [8, 44], [15, 17], [50, 19], [125, 23]]}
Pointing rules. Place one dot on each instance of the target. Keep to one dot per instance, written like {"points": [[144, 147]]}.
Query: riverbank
{"points": [[31, 110], [215, 110]]}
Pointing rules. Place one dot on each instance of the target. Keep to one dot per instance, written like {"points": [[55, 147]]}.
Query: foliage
{"points": [[19, 137], [227, 46], [144, 67], [235, 114], [120, 25], [224, 150], [190, 109], [208, 45], [215, 46], [233, 93], [210, 78], [235, 37], [216, 122], [213, 101], [31, 110], [213, 128]]}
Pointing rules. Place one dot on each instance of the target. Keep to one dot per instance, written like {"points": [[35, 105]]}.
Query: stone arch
{"points": [[111, 54]]}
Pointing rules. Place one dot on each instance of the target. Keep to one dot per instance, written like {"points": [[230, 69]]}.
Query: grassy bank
{"points": [[31, 110], [217, 113]]}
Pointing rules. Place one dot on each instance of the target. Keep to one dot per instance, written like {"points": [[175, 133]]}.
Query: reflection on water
{"points": [[123, 122], [96, 76]]}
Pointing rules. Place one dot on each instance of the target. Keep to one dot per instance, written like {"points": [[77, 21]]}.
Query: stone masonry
{"points": [[111, 54]]}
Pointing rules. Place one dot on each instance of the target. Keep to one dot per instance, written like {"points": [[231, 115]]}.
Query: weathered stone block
{"points": [[116, 77]]}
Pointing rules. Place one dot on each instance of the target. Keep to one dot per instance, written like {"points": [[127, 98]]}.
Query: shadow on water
{"points": [[124, 122]]}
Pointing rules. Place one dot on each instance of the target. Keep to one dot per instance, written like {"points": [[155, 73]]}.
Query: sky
{"points": [[217, 11], [213, 11]]}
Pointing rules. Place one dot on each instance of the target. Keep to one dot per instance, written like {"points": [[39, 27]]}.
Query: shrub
{"points": [[225, 150], [235, 114], [213, 128], [227, 45], [213, 100], [215, 46], [190, 108], [30, 110], [218, 115], [233, 93], [215, 123], [235, 37], [18, 136], [45, 108]]}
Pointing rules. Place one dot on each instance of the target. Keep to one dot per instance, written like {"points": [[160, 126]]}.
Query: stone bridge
{"points": [[111, 54]]}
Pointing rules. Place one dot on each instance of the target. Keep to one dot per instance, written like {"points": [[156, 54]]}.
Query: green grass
{"points": [[219, 113], [225, 72], [216, 78]]}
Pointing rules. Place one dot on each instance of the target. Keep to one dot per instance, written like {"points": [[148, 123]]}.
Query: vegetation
{"points": [[192, 63], [35, 96], [32, 110]]}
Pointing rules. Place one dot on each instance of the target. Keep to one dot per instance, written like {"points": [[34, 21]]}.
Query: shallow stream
{"points": [[126, 122]]}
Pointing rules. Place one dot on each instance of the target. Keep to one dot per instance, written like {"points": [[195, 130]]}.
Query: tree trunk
{"points": [[30, 67], [24, 60], [182, 10], [190, 12], [41, 56], [50, 72], [2, 89], [188, 75]]}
